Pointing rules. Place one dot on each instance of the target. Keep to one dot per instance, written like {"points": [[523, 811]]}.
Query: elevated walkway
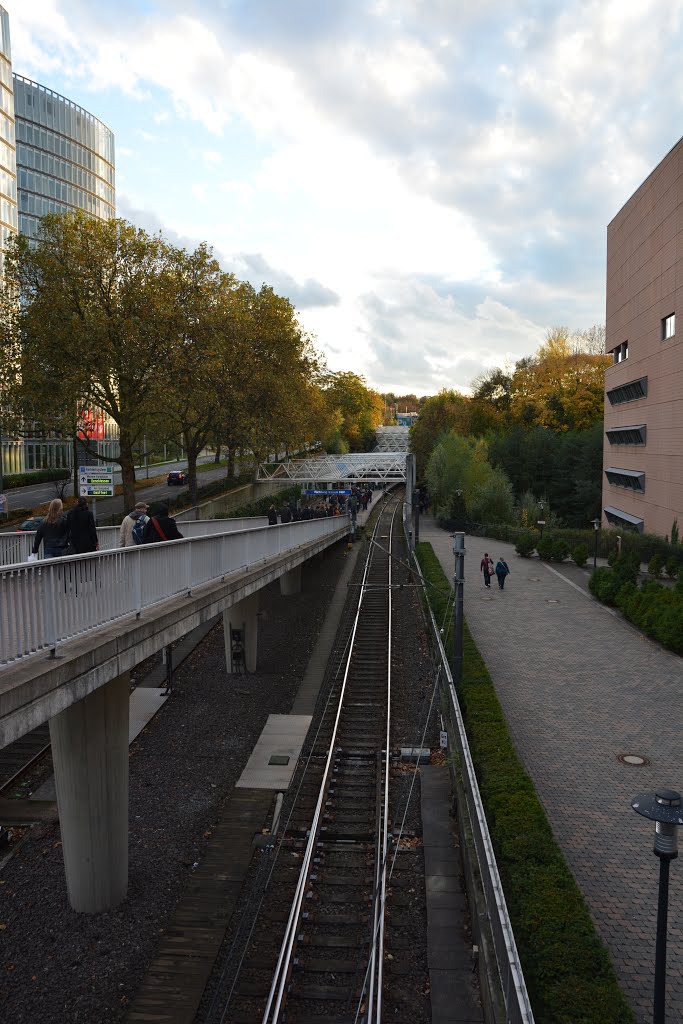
{"points": [[358, 467], [392, 439]]}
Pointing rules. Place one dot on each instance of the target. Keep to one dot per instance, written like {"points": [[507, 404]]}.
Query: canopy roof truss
{"points": [[367, 467], [392, 439]]}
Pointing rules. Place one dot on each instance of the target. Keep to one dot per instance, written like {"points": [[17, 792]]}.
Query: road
{"points": [[37, 494]]}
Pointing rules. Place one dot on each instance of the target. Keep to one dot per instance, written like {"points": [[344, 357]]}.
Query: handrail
{"points": [[44, 603], [517, 1004], [16, 547]]}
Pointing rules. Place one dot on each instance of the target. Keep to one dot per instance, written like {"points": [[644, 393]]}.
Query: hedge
{"points": [[39, 476], [261, 505], [644, 545], [653, 607], [567, 968]]}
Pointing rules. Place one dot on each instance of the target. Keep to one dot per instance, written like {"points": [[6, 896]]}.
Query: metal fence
{"points": [[517, 1004], [45, 603], [16, 547]]}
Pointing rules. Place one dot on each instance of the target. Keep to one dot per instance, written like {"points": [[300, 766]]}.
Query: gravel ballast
{"points": [[60, 967]]}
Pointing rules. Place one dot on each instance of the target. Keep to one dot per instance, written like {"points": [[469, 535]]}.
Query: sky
{"points": [[428, 181]]}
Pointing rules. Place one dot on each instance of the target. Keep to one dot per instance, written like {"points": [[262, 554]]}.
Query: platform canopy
{"points": [[392, 439], [365, 467]]}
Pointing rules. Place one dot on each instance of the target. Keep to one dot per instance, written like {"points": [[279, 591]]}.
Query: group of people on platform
{"points": [[332, 505]]}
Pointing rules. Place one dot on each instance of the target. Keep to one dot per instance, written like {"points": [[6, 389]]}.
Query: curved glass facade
{"points": [[65, 157], [8, 166]]}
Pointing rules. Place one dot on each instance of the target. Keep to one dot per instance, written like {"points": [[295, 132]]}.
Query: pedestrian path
{"points": [[579, 687]]}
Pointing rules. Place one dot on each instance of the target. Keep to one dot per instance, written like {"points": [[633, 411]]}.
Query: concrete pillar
{"points": [[290, 582], [90, 757], [240, 629]]}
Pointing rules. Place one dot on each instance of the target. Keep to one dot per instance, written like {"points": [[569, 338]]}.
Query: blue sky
{"points": [[428, 181]]}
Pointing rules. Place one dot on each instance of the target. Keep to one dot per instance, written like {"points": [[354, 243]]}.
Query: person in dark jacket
{"points": [[53, 532], [161, 527], [82, 529], [272, 516], [286, 513], [502, 570]]}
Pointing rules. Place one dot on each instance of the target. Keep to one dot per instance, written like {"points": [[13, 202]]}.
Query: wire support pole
{"points": [[458, 605]]}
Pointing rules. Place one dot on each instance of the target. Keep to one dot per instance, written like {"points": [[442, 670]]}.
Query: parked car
{"points": [[177, 477], [30, 525]]}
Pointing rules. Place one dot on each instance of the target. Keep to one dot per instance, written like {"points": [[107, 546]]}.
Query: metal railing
{"points": [[44, 603], [517, 1004], [16, 547]]}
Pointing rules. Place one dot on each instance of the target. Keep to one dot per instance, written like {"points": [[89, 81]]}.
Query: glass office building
{"points": [[8, 164], [55, 157], [65, 157]]}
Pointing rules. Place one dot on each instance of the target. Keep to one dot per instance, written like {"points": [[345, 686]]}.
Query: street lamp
{"points": [[664, 808], [541, 522], [596, 526]]}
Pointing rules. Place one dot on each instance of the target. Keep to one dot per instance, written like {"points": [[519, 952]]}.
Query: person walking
{"points": [[502, 570], [53, 532], [486, 566], [133, 526], [82, 529], [272, 516], [161, 527]]}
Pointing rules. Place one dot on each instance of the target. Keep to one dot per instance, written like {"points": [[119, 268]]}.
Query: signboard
{"points": [[443, 739], [96, 481], [343, 491]]}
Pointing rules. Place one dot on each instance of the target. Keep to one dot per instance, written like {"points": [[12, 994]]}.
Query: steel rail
{"points": [[275, 996], [377, 954]]}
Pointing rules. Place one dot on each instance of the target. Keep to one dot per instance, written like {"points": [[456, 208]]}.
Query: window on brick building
{"points": [[668, 326]]}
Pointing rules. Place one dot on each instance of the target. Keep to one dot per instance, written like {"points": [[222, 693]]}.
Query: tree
{"points": [[438, 415], [361, 410], [463, 484], [94, 326]]}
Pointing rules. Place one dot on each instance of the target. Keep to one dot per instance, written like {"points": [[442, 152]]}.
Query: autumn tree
{"points": [[94, 325], [439, 414], [356, 408]]}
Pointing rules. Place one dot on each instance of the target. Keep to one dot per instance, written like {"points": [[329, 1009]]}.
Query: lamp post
{"points": [[664, 808], [458, 594], [540, 523], [596, 526]]}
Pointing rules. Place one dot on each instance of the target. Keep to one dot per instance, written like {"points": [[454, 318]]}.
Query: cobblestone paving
{"points": [[579, 686]]}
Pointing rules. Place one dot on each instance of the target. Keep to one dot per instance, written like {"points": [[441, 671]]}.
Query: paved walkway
{"points": [[579, 686]]}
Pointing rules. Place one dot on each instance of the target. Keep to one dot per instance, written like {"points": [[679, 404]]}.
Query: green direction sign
{"points": [[96, 481]]}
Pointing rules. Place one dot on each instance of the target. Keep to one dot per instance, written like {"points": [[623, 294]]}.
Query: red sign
{"points": [[91, 425]]}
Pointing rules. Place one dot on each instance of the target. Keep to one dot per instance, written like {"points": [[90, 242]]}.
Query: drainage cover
{"points": [[635, 760], [278, 759], [552, 600], [534, 579]]}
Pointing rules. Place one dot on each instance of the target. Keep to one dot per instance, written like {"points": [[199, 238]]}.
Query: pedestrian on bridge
{"points": [[133, 526], [161, 527], [272, 516], [53, 532], [82, 529]]}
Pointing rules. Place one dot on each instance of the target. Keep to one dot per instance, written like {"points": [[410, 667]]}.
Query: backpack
{"points": [[139, 529]]}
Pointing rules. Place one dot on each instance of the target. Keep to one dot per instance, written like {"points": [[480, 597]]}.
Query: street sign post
{"points": [[96, 481]]}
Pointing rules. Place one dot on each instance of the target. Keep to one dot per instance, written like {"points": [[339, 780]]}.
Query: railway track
{"points": [[316, 950], [19, 758]]}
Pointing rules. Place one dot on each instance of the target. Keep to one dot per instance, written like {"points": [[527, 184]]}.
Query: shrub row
{"points": [[644, 545], [261, 505], [38, 476], [655, 609], [210, 490], [550, 549], [567, 968]]}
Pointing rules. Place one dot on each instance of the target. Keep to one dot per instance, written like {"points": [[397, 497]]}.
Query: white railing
{"points": [[16, 547], [44, 603]]}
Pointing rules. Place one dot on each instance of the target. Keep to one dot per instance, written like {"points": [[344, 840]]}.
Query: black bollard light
{"points": [[664, 808], [596, 527]]}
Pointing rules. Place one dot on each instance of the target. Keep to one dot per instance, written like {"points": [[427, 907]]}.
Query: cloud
{"points": [[447, 169]]}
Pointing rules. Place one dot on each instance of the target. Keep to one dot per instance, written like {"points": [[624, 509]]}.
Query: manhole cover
{"points": [[634, 760], [278, 759], [534, 579]]}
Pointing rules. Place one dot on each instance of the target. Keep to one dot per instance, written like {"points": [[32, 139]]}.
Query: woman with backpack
{"points": [[502, 570]]}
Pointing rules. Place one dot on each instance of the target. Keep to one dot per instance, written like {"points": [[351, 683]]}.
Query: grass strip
{"points": [[568, 971]]}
